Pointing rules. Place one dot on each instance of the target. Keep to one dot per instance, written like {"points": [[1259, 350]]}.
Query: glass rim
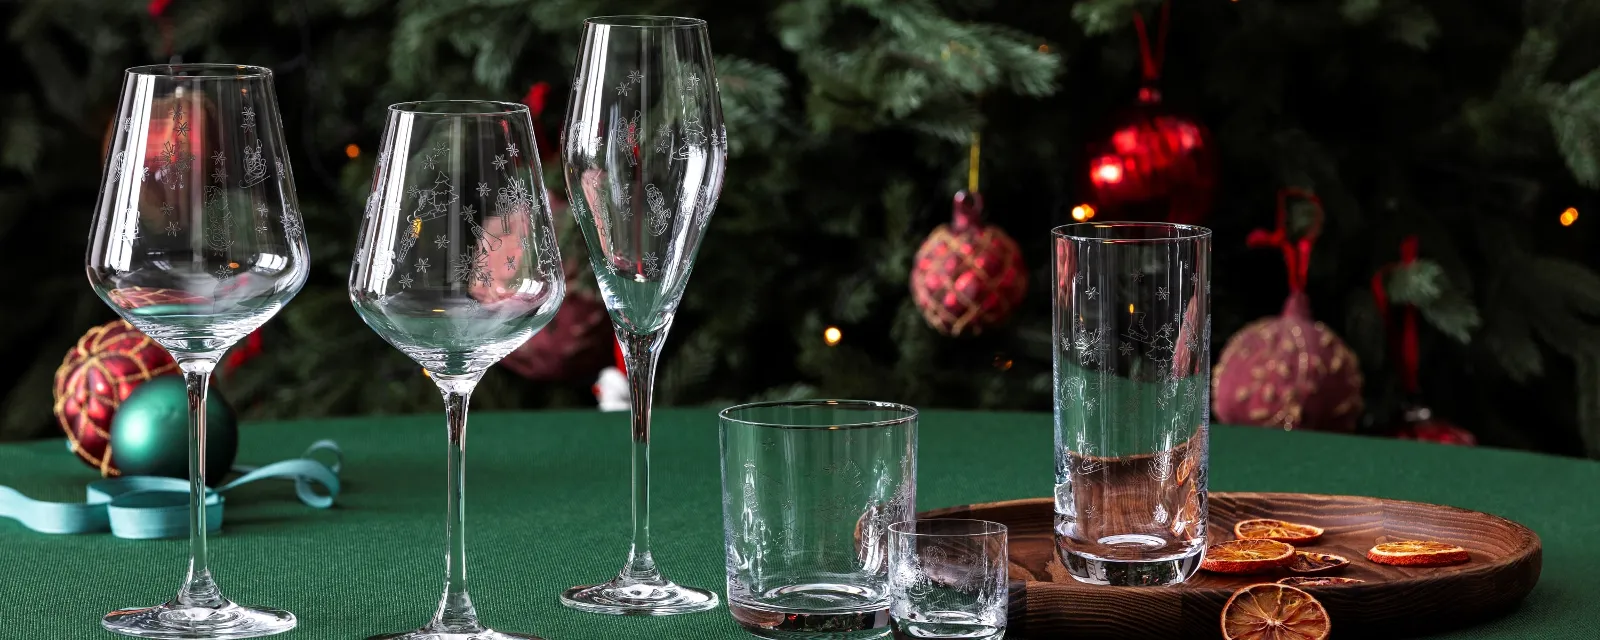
{"points": [[908, 413], [988, 528], [1185, 232], [208, 70], [645, 22], [432, 108]]}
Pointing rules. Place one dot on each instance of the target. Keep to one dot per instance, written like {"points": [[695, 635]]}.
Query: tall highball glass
{"points": [[644, 149], [457, 265], [1132, 396], [197, 241]]}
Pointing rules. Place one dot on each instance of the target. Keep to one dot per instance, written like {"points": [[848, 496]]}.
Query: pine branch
{"points": [[1574, 114]]}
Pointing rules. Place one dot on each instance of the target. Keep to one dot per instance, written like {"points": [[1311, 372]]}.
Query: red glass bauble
{"points": [[968, 276], [575, 345], [96, 376], [1155, 165], [1288, 371]]}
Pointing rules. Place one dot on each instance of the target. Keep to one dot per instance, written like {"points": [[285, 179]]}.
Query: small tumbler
{"points": [[809, 490], [1132, 400], [947, 579]]}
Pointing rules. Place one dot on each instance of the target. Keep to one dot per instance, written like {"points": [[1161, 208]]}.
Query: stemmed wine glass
{"points": [[457, 265], [644, 150], [197, 241]]}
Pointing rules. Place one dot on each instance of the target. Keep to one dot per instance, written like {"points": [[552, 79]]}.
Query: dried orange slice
{"points": [[1247, 556], [1417, 553], [1313, 562], [1280, 530], [1273, 612], [1318, 581]]}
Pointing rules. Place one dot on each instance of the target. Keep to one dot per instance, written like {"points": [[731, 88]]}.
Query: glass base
{"points": [[172, 620], [425, 634], [620, 598]]}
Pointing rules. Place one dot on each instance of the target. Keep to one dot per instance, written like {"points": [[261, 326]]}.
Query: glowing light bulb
{"points": [[1083, 212], [1569, 216], [831, 336], [1108, 173], [352, 151]]}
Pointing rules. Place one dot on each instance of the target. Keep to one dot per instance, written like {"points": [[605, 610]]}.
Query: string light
{"points": [[1044, 48], [352, 151], [831, 336], [1001, 362], [1083, 212], [1569, 216], [425, 374]]}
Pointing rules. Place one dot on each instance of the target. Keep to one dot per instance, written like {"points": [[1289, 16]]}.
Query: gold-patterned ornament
{"points": [[95, 377]]}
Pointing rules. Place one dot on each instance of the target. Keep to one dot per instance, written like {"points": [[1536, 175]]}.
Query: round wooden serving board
{"points": [[1046, 602]]}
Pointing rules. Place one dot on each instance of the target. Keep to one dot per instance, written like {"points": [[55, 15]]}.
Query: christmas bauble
{"points": [[1289, 371], [575, 345], [968, 276], [150, 433], [1155, 165], [95, 378]]}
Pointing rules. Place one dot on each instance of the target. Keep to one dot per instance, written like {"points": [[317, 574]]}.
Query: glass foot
{"points": [[172, 620], [640, 599], [426, 634]]}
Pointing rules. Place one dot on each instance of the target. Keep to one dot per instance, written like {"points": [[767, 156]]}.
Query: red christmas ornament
{"points": [[968, 276], [1156, 164], [575, 345], [1418, 422], [1288, 371], [96, 376]]}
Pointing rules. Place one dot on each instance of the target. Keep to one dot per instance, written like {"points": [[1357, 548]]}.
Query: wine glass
{"points": [[457, 265], [644, 150], [197, 241]]}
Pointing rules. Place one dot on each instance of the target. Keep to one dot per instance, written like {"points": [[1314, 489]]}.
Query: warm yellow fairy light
{"points": [[832, 336], [1569, 216], [425, 374], [351, 151], [1083, 212], [1130, 307]]}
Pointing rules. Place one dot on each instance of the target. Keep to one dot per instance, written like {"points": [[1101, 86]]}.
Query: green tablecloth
{"points": [[548, 508]]}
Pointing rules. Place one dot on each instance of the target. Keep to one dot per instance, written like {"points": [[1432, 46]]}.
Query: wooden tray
{"points": [[1047, 603]]}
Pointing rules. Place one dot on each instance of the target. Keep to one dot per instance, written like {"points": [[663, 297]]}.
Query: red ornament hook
{"points": [[1296, 252]]}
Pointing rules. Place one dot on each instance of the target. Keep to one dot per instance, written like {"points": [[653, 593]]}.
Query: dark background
{"points": [[1471, 126]]}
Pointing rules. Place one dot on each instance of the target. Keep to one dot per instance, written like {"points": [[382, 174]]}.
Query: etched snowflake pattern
{"points": [[664, 138], [500, 162], [511, 149], [511, 263], [441, 241], [1162, 293], [219, 171], [1126, 349], [222, 272], [1090, 345], [1091, 292], [624, 197], [623, 88], [483, 189], [405, 281], [465, 268], [429, 163], [172, 228], [514, 198], [1138, 277], [248, 119], [261, 208], [652, 265]]}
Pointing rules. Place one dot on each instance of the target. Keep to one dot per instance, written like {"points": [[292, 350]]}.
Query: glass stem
{"points": [[640, 354], [456, 614], [199, 590]]}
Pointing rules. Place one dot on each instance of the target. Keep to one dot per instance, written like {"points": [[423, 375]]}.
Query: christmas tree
{"points": [[1472, 127]]}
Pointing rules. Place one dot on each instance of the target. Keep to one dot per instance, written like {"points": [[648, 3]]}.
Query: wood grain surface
{"points": [[1046, 602]]}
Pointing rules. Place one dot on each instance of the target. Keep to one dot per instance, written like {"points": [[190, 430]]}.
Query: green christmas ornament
{"points": [[150, 432]]}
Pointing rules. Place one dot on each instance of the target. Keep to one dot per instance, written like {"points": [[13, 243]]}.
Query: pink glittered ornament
{"points": [[1288, 371]]}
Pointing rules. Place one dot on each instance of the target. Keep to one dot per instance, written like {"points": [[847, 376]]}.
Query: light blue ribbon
{"points": [[147, 507]]}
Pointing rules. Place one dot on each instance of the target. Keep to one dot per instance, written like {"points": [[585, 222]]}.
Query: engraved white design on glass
{"points": [[255, 167], [660, 214], [422, 266], [694, 136], [664, 138]]}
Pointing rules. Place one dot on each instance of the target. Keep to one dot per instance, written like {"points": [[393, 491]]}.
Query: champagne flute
{"points": [[197, 241], [457, 265], [644, 150]]}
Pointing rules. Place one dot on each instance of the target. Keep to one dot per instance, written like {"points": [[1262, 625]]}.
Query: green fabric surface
{"points": [[548, 508]]}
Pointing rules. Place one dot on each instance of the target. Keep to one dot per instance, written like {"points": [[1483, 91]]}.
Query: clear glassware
{"points": [[948, 579], [1132, 395], [197, 241], [644, 151], [457, 265], [809, 490]]}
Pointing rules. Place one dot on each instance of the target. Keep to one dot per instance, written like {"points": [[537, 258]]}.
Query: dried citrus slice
{"points": [[1417, 553], [1280, 530], [1273, 612], [1313, 562], [1247, 556], [1318, 581]]}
